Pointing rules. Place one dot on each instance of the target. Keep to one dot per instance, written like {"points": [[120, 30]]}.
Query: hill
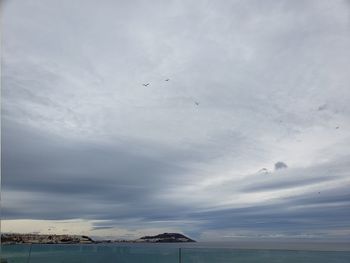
{"points": [[165, 238]]}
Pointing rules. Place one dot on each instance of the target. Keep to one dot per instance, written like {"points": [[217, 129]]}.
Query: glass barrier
{"points": [[160, 254], [88, 253], [200, 255], [15, 253]]}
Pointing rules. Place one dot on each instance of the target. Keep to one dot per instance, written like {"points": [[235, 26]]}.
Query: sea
{"points": [[177, 253]]}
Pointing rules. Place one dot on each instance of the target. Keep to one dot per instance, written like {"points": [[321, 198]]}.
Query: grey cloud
{"points": [[322, 107], [280, 165], [286, 184], [101, 227], [54, 167], [288, 215], [263, 170], [296, 178]]}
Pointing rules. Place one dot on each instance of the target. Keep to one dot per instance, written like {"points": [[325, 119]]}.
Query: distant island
{"points": [[7, 239]]}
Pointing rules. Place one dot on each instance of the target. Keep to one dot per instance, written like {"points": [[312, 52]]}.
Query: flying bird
{"points": [[167, 79], [337, 127], [145, 84], [196, 102]]}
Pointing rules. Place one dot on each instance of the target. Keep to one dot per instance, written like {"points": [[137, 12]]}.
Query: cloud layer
{"points": [[253, 87]]}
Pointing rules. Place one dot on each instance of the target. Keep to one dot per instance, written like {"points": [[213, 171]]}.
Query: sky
{"points": [[242, 132]]}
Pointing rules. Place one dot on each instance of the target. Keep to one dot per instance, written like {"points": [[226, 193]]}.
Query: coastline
{"points": [[16, 238]]}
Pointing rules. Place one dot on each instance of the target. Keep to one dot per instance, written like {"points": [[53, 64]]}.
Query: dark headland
{"points": [[165, 238]]}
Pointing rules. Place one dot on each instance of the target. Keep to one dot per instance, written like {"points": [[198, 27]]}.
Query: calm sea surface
{"points": [[189, 253]]}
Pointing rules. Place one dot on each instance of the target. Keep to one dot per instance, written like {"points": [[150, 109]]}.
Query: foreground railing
{"points": [[159, 254]]}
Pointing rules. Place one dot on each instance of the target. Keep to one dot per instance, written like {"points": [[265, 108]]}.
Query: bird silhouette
{"points": [[337, 127], [196, 102], [145, 84], [167, 79]]}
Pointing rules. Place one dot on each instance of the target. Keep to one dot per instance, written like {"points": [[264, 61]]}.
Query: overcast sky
{"points": [[249, 137]]}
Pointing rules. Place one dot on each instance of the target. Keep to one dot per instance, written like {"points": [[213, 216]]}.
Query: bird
{"points": [[337, 127], [196, 102], [145, 84], [167, 79]]}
